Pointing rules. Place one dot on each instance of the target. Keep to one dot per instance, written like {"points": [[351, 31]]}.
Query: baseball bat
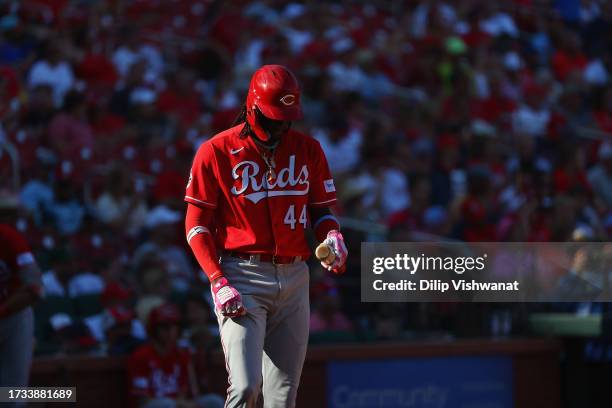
{"points": [[325, 253]]}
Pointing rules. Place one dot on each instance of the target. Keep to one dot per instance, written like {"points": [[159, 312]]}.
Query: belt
{"points": [[275, 259]]}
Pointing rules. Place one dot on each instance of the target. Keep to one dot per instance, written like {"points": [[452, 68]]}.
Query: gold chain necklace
{"points": [[271, 165]]}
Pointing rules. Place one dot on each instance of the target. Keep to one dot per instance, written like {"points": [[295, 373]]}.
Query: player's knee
{"points": [[249, 391]]}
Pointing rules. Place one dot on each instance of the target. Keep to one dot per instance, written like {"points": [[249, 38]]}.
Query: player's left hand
{"points": [[336, 241]]}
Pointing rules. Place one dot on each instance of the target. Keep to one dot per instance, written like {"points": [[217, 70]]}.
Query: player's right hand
{"points": [[227, 299], [335, 241]]}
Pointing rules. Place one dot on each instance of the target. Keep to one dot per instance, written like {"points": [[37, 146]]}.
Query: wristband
{"points": [[215, 275], [325, 224]]}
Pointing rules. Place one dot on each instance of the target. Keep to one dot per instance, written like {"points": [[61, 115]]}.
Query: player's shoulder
{"points": [[220, 141], [210, 148], [225, 137]]}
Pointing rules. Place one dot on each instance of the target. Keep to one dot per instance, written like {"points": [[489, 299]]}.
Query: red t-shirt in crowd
{"points": [[564, 181], [477, 228], [564, 64], [152, 375], [252, 214], [98, 70], [186, 107], [604, 120]]}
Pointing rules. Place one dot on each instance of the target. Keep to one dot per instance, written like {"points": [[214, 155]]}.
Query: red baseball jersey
{"points": [[152, 375], [252, 213], [14, 253]]}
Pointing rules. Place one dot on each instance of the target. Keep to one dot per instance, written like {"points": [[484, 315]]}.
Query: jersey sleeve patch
{"points": [[329, 186]]}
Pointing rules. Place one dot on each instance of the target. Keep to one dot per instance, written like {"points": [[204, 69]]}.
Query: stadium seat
{"points": [[43, 311], [87, 305], [52, 305]]}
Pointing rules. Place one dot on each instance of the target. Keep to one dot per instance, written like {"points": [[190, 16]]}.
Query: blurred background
{"points": [[441, 120]]}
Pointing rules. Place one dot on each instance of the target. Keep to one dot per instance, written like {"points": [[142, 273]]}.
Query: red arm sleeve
{"points": [[199, 238]]}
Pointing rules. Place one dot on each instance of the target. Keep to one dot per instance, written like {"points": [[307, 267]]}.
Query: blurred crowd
{"points": [[459, 119]]}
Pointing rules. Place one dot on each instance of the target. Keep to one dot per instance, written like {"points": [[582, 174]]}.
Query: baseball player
{"points": [[20, 288], [253, 191]]}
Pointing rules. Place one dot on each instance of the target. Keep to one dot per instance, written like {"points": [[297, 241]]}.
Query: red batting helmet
{"points": [[275, 92], [163, 314]]}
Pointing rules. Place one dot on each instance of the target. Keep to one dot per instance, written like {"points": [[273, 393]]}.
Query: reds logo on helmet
{"points": [[288, 100]]}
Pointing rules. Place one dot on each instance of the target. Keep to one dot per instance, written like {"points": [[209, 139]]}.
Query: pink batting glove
{"points": [[336, 241], [227, 299]]}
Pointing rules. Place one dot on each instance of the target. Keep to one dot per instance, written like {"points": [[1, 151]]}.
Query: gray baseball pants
{"points": [[16, 338], [265, 349]]}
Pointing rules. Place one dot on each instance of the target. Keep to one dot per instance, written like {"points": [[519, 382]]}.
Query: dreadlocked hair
{"points": [[241, 118]]}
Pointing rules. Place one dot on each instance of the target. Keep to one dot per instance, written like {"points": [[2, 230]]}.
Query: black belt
{"points": [[275, 259]]}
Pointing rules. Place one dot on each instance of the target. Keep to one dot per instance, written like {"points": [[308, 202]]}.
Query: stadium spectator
{"points": [[533, 116], [70, 134], [53, 70], [70, 336], [118, 331], [327, 316], [120, 206], [119, 318], [66, 210], [162, 226], [201, 334], [600, 177], [64, 267], [160, 373], [198, 317], [389, 321]]}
